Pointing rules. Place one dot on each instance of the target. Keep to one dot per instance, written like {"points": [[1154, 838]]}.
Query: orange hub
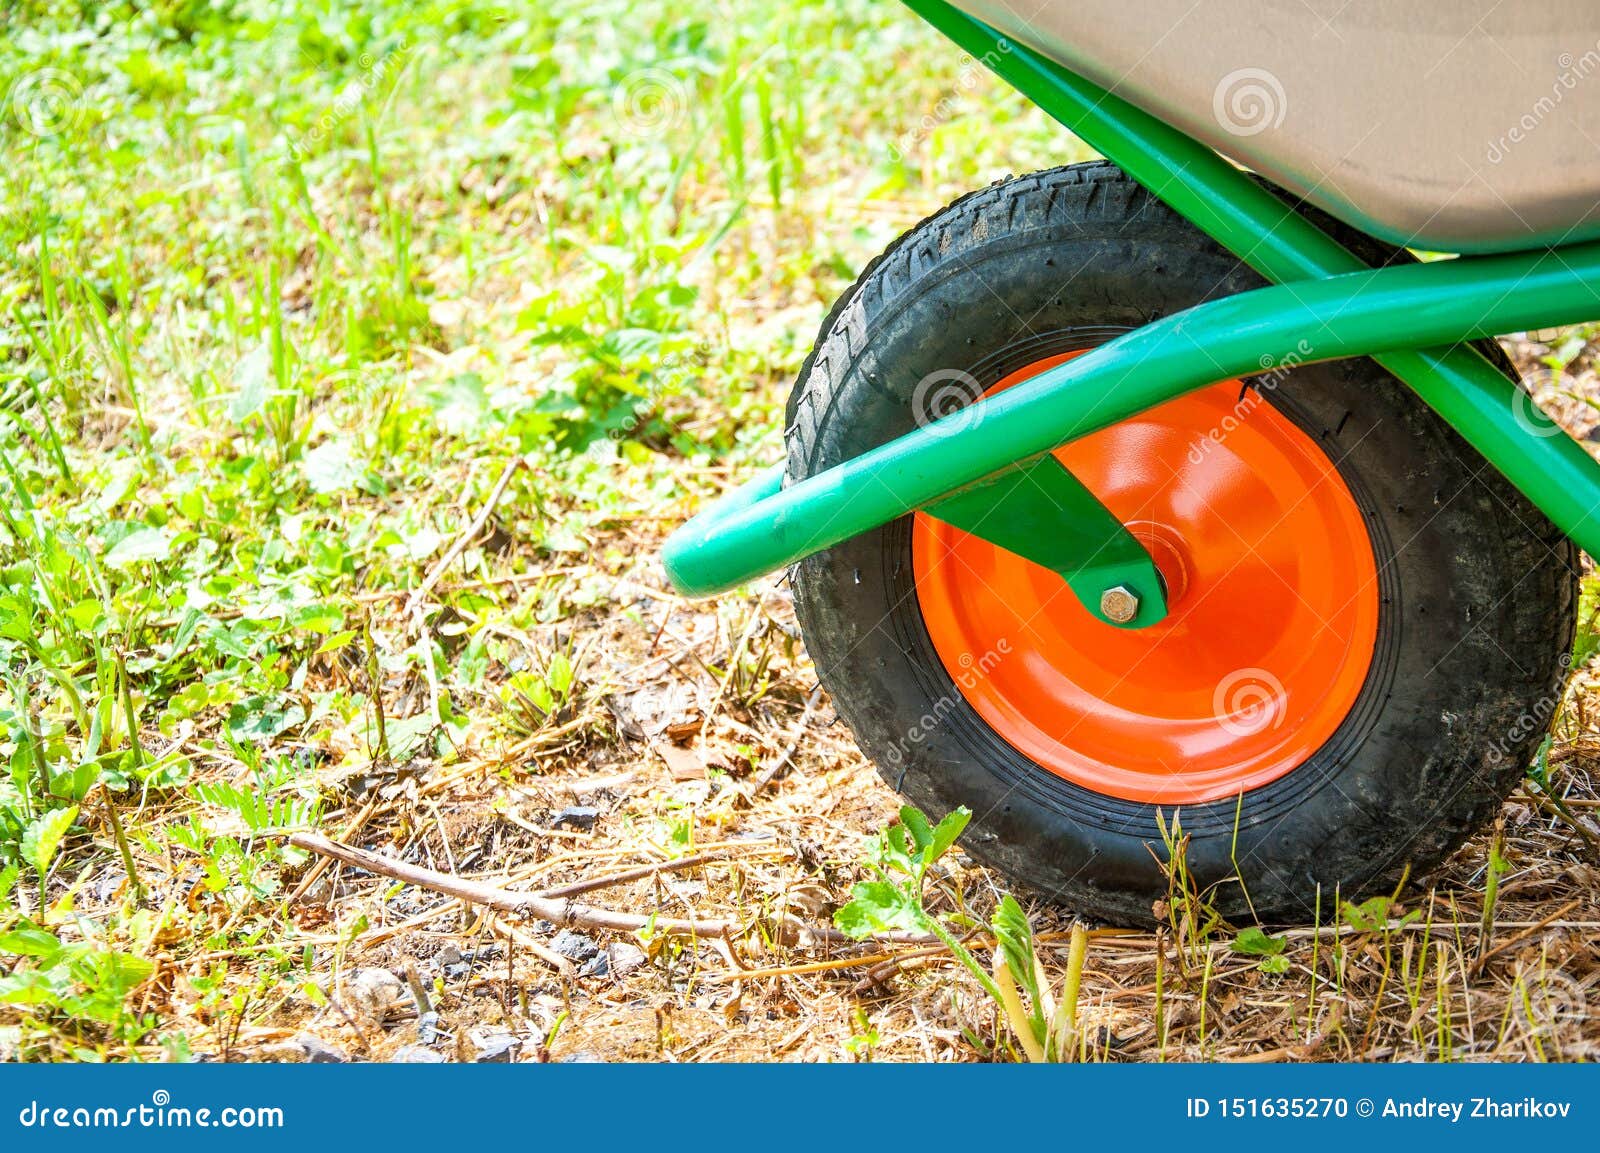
{"points": [[1272, 595]]}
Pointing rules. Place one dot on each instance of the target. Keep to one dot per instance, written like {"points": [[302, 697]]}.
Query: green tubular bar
{"points": [[1356, 314], [756, 532]]}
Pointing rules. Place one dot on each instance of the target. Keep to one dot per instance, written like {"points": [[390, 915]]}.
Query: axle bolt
{"points": [[1119, 604]]}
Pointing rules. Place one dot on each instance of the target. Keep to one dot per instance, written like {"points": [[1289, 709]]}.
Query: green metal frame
{"points": [[1413, 319], [1042, 512]]}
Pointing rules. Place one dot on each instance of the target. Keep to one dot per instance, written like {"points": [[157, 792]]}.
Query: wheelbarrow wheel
{"points": [[1368, 627]]}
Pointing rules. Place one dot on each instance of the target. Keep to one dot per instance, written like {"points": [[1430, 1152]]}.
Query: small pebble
{"points": [[580, 817], [376, 992], [574, 946], [319, 1052], [625, 957], [496, 1048], [418, 1055]]}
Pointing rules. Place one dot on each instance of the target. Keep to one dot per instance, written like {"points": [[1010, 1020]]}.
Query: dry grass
{"points": [[661, 749]]}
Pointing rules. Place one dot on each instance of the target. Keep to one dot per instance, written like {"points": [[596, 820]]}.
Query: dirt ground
{"points": [[656, 772]]}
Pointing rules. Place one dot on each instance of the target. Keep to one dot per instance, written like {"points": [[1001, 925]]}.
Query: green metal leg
{"points": [[1042, 512]]}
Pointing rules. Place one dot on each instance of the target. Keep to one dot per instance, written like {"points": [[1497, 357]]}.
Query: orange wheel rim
{"points": [[1273, 609]]}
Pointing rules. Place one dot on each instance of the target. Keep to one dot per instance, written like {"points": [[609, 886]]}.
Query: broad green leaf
{"points": [[112, 972], [459, 404], [946, 832], [30, 942], [1255, 943], [337, 641], [318, 618], [894, 850], [142, 544], [876, 906], [331, 467], [917, 825], [42, 838], [1015, 937], [854, 921], [261, 718], [251, 384], [1372, 915], [30, 987]]}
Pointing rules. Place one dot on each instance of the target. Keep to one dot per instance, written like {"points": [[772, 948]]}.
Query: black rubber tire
{"points": [[1478, 590]]}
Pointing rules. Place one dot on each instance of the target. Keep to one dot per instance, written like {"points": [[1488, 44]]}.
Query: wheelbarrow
{"points": [[1165, 511]]}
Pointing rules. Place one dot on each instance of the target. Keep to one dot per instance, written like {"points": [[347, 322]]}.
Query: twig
{"points": [[463, 538], [622, 878], [1556, 807], [131, 716], [322, 866], [879, 975], [768, 775], [555, 960], [375, 687], [810, 968], [1483, 959], [733, 663], [561, 911]]}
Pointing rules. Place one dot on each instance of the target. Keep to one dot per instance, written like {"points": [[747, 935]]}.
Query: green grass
{"points": [[284, 290]]}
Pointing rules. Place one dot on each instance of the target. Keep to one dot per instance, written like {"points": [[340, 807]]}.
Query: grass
{"points": [[354, 360]]}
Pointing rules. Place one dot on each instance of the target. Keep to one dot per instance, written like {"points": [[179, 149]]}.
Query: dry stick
{"points": [[464, 538], [1484, 958], [378, 596], [374, 937], [622, 878], [375, 687], [814, 967], [733, 664], [768, 775], [937, 951], [137, 749], [879, 976], [1554, 806], [323, 865], [561, 911], [509, 932]]}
